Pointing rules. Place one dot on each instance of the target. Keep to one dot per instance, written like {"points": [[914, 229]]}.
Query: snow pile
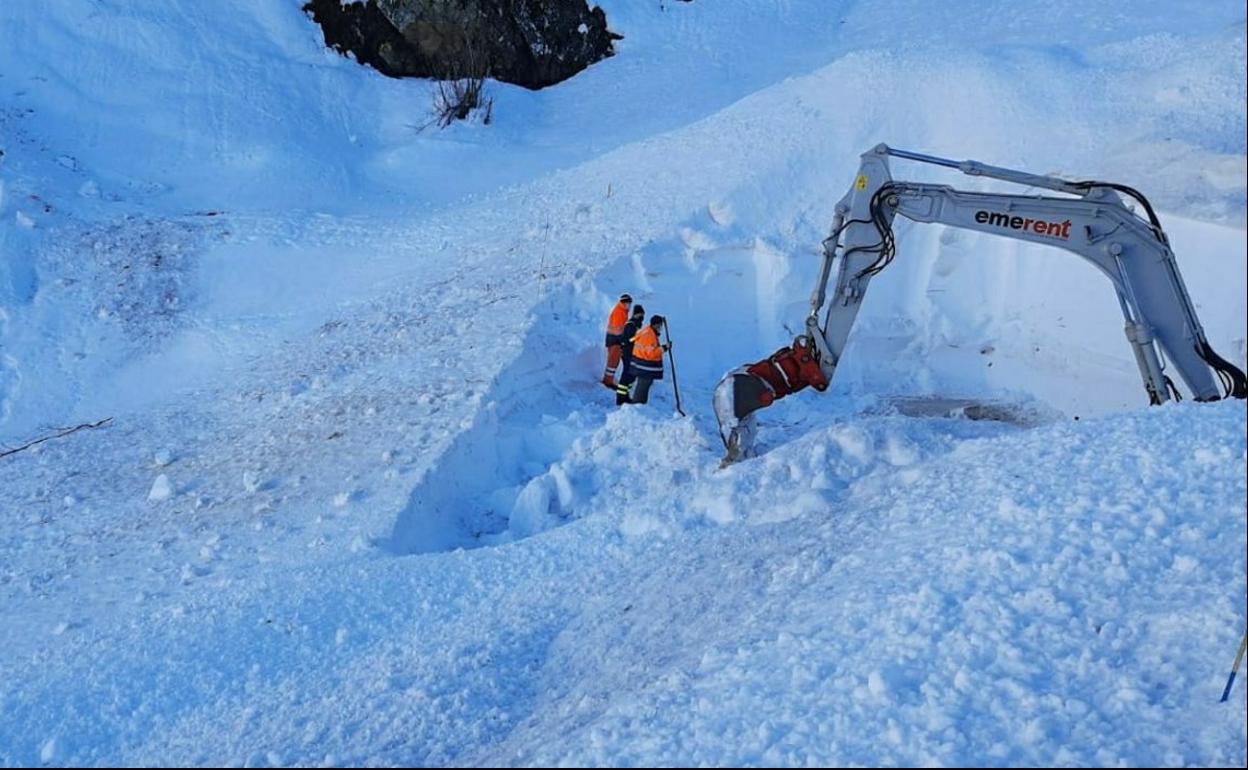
{"points": [[946, 602]]}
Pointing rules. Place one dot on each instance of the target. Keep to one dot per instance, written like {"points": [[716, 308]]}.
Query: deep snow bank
{"points": [[896, 591]]}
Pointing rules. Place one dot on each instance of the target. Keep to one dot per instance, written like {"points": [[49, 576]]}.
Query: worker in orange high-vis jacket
{"points": [[627, 377], [615, 338], [646, 364]]}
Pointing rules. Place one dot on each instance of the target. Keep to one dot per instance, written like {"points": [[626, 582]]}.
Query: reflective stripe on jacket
{"points": [[647, 354]]}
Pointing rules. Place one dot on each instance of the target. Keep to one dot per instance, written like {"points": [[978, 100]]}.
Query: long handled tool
{"points": [[675, 386]]}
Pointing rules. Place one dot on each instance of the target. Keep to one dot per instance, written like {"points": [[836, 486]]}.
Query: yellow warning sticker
{"points": [[861, 184]]}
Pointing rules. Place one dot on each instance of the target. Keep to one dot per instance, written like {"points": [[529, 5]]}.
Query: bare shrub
{"points": [[457, 99], [461, 91]]}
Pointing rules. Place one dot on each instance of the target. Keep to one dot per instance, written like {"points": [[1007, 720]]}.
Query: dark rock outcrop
{"points": [[532, 43]]}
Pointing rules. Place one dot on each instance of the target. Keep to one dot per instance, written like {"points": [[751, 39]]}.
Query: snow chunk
{"points": [[162, 489], [854, 443], [1203, 456], [531, 512], [47, 754], [721, 213], [877, 685], [715, 506], [1185, 565], [899, 452], [637, 524], [697, 240]]}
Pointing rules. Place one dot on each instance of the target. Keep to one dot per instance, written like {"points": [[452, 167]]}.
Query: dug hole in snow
{"points": [[962, 324], [514, 472]]}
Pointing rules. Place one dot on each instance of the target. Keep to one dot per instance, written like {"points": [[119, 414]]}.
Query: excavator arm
{"points": [[1093, 222]]}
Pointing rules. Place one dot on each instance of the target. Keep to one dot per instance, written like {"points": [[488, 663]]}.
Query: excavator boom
{"points": [[1093, 222]]}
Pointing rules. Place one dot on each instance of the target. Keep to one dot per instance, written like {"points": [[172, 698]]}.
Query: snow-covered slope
{"points": [[357, 353], [885, 591]]}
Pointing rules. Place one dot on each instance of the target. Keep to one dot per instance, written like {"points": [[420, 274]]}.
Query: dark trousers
{"points": [[626, 380], [641, 391]]}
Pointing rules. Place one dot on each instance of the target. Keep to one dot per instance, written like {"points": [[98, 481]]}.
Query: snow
{"points": [[364, 502], [162, 489]]}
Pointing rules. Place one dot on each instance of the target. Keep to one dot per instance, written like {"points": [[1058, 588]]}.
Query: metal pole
{"points": [[675, 387]]}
